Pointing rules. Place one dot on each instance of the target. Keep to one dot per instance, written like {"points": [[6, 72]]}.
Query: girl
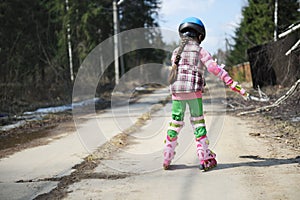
{"points": [[189, 59]]}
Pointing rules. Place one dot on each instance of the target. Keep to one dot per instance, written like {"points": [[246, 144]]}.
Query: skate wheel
{"points": [[166, 164], [209, 164], [201, 167], [166, 167], [205, 169]]}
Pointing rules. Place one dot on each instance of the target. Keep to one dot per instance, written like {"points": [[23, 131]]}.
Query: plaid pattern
{"points": [[190, 70]]}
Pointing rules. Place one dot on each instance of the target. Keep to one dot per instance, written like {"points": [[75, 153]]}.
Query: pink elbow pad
{"points": [[214, 68]]}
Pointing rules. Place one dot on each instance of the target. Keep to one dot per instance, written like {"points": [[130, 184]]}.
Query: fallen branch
{"points": [[262, 96], [289, 93]]}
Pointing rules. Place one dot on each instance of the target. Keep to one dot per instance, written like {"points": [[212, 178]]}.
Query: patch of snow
{"points": [[41, 112], [12, 126]]}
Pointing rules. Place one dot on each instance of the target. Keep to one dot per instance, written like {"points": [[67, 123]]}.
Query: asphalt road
{"points": [[248, 167]]}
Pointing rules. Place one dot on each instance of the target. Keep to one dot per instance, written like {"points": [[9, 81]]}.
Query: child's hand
{"points": [[237, 88], [247, 96]]}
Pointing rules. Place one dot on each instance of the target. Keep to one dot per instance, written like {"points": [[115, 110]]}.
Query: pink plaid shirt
{"points": [[194, 60]]}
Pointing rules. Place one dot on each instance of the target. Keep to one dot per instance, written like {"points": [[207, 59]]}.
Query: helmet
{"points": [[192, 27]]}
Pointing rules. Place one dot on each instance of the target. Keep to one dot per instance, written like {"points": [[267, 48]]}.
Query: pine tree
{"points": [[34, 61], [141, 14], [257, 26], [288, 13]]}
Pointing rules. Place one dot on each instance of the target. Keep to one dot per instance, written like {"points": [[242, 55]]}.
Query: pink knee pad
{"points": [[197, 122]]}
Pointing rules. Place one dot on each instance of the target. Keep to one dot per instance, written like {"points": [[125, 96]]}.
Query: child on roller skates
{"points": [[189, 59]]}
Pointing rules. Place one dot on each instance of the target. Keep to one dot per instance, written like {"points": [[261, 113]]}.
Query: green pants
{"points": [[197, 119]]}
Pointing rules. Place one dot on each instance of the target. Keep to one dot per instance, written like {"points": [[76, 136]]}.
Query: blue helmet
{"points": [[192, 27]]}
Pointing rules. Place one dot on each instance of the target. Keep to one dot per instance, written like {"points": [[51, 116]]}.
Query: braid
{"points": [[180, 49], [173, 73]]}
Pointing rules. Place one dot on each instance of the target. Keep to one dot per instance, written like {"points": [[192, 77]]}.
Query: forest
{"points": [[38, 37], [35, 64]]}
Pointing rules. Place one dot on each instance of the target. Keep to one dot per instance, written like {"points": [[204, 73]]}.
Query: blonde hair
{"points": [[184, 41]]}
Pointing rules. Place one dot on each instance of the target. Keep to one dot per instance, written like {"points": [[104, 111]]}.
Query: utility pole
{"points": [[276, 20], [120, 44], [116, 3], [116, 45]]}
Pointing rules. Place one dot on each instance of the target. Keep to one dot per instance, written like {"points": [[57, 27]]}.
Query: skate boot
{"points": [[169, 151], [206, 156]]}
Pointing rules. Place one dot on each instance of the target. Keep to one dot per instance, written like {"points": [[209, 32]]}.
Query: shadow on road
{"points": [[182, 166], [259, 162]]}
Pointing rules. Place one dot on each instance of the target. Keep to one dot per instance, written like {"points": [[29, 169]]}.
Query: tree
{"points": [[257, 26], [141, 14], [91, 23], [34, 64], [288, 13]]}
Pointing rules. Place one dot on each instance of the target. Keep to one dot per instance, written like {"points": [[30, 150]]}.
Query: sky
{"points": [[220, 18]]}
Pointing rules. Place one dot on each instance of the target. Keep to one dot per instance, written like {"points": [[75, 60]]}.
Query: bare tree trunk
{"points": [[69, 45]]}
